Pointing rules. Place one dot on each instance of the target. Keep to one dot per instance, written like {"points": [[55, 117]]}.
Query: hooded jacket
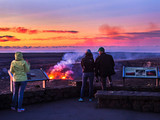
{"points": [[87, 63], [19, 67], [104, 65]]}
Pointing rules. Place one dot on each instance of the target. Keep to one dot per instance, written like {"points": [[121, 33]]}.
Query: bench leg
{"points": [[11, 85], [157, 82], [44, 84], [123, 82]]}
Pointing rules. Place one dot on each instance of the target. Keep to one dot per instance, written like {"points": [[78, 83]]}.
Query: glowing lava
{"points": [[51, 76], [63, 73], [64, 77]]}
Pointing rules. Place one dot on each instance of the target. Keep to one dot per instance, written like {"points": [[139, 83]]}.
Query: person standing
{"points": [[104, 67], [19, 68], [87, 64]]}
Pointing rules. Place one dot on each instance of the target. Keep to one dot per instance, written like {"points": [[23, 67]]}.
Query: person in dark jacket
{"points": [[87, 64], [104, 67]]}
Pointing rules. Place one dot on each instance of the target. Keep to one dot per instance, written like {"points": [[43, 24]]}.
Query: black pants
{"points": [[103, 82]]}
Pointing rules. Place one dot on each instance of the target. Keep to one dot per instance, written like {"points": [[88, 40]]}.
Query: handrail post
{"points": [[157, 82], [44, 81], [11, 85], [11, 80], [123, 76], [44, 84], [157, 79]]}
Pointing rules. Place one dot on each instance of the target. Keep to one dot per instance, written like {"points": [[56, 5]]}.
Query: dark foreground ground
{"points": [[71, 109]]}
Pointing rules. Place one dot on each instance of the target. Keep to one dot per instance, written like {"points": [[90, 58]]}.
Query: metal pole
{"points": [[44, 83], [123, 75], [157, 82], [11, 80], [123, 82], [11, 85]]}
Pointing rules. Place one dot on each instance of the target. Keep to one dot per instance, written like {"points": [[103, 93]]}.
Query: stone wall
{"points": [[44, 95], [134, 100]]}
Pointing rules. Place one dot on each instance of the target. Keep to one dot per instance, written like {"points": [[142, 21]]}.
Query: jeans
{"points": [[18, 91], [103, 82], [85, 76]]}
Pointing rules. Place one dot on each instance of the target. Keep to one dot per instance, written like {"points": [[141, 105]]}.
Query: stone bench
{"points": [[134, 100]]}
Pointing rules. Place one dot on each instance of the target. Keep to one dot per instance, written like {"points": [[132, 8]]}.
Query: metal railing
{"points": [[43, 80]]}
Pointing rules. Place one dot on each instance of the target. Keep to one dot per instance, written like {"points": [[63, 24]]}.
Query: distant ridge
{"points": [[144, 49]]}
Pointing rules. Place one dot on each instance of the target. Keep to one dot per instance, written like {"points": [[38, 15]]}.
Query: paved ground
{"points": [[70, 109]]}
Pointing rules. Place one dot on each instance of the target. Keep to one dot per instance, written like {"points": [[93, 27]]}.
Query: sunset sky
{"points": [[79, 23]]}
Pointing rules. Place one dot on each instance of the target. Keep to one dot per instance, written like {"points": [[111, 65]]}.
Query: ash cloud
{"points": [[65, 66]]}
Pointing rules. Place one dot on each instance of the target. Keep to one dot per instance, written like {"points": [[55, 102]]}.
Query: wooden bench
{"points": [[141, 72]]}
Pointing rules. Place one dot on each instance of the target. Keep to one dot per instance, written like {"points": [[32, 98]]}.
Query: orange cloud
{"points": [[4, 29], [24, 30], [123, 36], [152, 26], [28, 31], [110, 30], [8, 38]]}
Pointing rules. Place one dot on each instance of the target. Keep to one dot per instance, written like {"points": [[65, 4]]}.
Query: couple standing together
{"points": [[103, 67]]}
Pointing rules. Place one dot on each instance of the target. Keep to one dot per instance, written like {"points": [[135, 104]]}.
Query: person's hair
{"points": [[101, 49], [87, 54]]}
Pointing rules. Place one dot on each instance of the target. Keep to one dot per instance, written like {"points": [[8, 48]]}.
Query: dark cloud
{"points": [[3, 40], [60, 31], [6, 38], [140, 35], [29, 31], [19, 30], [137, 35], [58, 38]]}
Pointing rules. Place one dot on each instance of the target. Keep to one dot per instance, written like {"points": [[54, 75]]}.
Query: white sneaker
{"points": [[80, 100], [20, 110], [13, 108]]}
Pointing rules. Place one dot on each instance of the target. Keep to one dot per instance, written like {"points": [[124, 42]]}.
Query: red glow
{"points": [[63, 77], [51, 76], [59, 75], [59, 72]]}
